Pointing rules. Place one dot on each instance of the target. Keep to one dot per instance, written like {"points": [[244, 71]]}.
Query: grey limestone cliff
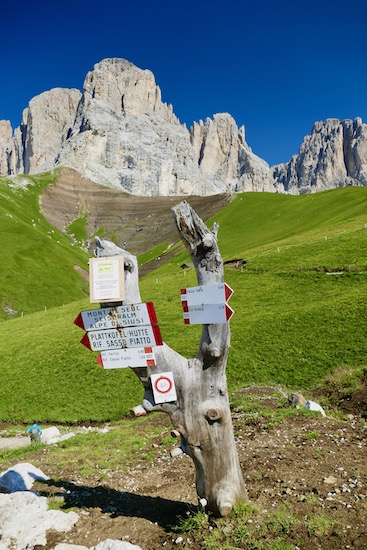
{"points": [[7, 156], [224, 155], [334, 155], [119, 133], [46, 124]]}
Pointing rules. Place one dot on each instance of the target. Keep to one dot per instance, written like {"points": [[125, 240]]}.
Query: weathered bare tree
{"points": [[201, 413]]}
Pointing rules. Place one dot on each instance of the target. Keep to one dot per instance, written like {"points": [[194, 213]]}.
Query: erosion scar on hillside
{"points": [[201, 413]]}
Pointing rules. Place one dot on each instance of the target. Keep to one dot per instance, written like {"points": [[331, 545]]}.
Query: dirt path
{"points": [[13, 442], [313, 467], [316, 467]]}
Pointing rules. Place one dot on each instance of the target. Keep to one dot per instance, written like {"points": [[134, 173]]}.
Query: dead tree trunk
{"points": [[201, 413]]}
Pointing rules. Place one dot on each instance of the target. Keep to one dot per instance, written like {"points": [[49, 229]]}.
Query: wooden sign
{"points": [[163, 387], [207, 314], [125, 358], [131, 315], [206, 294], [128, 337], [106, 279]]}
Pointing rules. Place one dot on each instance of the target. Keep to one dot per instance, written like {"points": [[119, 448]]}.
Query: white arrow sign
{"points": [[207, 314], [163, 387], [129, 337], [131, 315], [124, 358], [206, 294]]}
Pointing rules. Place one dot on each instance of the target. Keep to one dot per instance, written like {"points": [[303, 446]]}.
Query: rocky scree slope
{"points": [[138, 223]]}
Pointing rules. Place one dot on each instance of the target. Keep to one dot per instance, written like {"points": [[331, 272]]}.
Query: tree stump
{"points": [[201, 413]]}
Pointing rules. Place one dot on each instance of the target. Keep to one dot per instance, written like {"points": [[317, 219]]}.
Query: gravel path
{"points": [[13, 442]]}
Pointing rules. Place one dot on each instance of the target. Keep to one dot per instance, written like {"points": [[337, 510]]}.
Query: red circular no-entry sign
{"points": [[163, 384]]}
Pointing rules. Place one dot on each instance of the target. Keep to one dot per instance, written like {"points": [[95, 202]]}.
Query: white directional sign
{"points": [[131, 315], [124, 358], [163, 387], [207, 314], [207, 294], [129, 337]]}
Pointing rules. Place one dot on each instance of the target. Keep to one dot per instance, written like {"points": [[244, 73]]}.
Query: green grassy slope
{"points": [[288, 328], [37, 267], [284, 219], [294, 323], [47, 374], [257, 224], [296, 319]]}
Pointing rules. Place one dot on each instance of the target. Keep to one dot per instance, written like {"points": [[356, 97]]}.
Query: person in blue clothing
{"points": [[34, 432]]}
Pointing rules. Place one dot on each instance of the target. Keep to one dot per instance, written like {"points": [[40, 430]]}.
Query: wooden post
{"points": [[201, 413]]}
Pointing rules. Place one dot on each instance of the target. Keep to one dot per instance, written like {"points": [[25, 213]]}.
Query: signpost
{"points": [[125, 358], [207, 294], [128, 337], [123, 334], [120, 316], [207, 314], [200, 408]]}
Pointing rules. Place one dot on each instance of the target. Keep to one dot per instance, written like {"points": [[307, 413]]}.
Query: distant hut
{"points": [[237, 263]]}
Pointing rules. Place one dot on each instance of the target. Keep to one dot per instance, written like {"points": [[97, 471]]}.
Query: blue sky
{"points": [[275, 66]]}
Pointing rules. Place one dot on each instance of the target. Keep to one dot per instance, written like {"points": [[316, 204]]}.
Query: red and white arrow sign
{"points": [[124, 358], [131, 315], [206, 294], [129, 337], [207, 314]]}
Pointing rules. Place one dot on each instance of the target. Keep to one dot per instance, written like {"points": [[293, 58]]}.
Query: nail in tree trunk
{"points": [[201, 413]]}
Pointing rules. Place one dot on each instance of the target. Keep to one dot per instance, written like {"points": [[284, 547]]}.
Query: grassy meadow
{"points": [[299, 301], [37, 269]]}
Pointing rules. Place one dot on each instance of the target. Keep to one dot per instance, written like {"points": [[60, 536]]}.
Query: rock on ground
{"points": [[53, 435], [20, 477], [25, 517], [25, 520], [105, 545]]}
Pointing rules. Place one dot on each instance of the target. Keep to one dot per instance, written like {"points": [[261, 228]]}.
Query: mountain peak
{"points": [[118, 132]]}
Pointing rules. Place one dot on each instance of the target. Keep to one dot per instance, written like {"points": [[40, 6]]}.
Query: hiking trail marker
{"points": [[207, 314], [117, 317], [206, 294], [128, 337], [127, 358], [207, 304]]}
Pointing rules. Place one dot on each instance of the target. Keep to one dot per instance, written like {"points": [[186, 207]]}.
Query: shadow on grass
{"points": [[164, 512]]}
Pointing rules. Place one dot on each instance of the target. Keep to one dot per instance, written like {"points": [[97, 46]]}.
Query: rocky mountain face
{"points": [[46, 124], [120, 134], [334, 155]]}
